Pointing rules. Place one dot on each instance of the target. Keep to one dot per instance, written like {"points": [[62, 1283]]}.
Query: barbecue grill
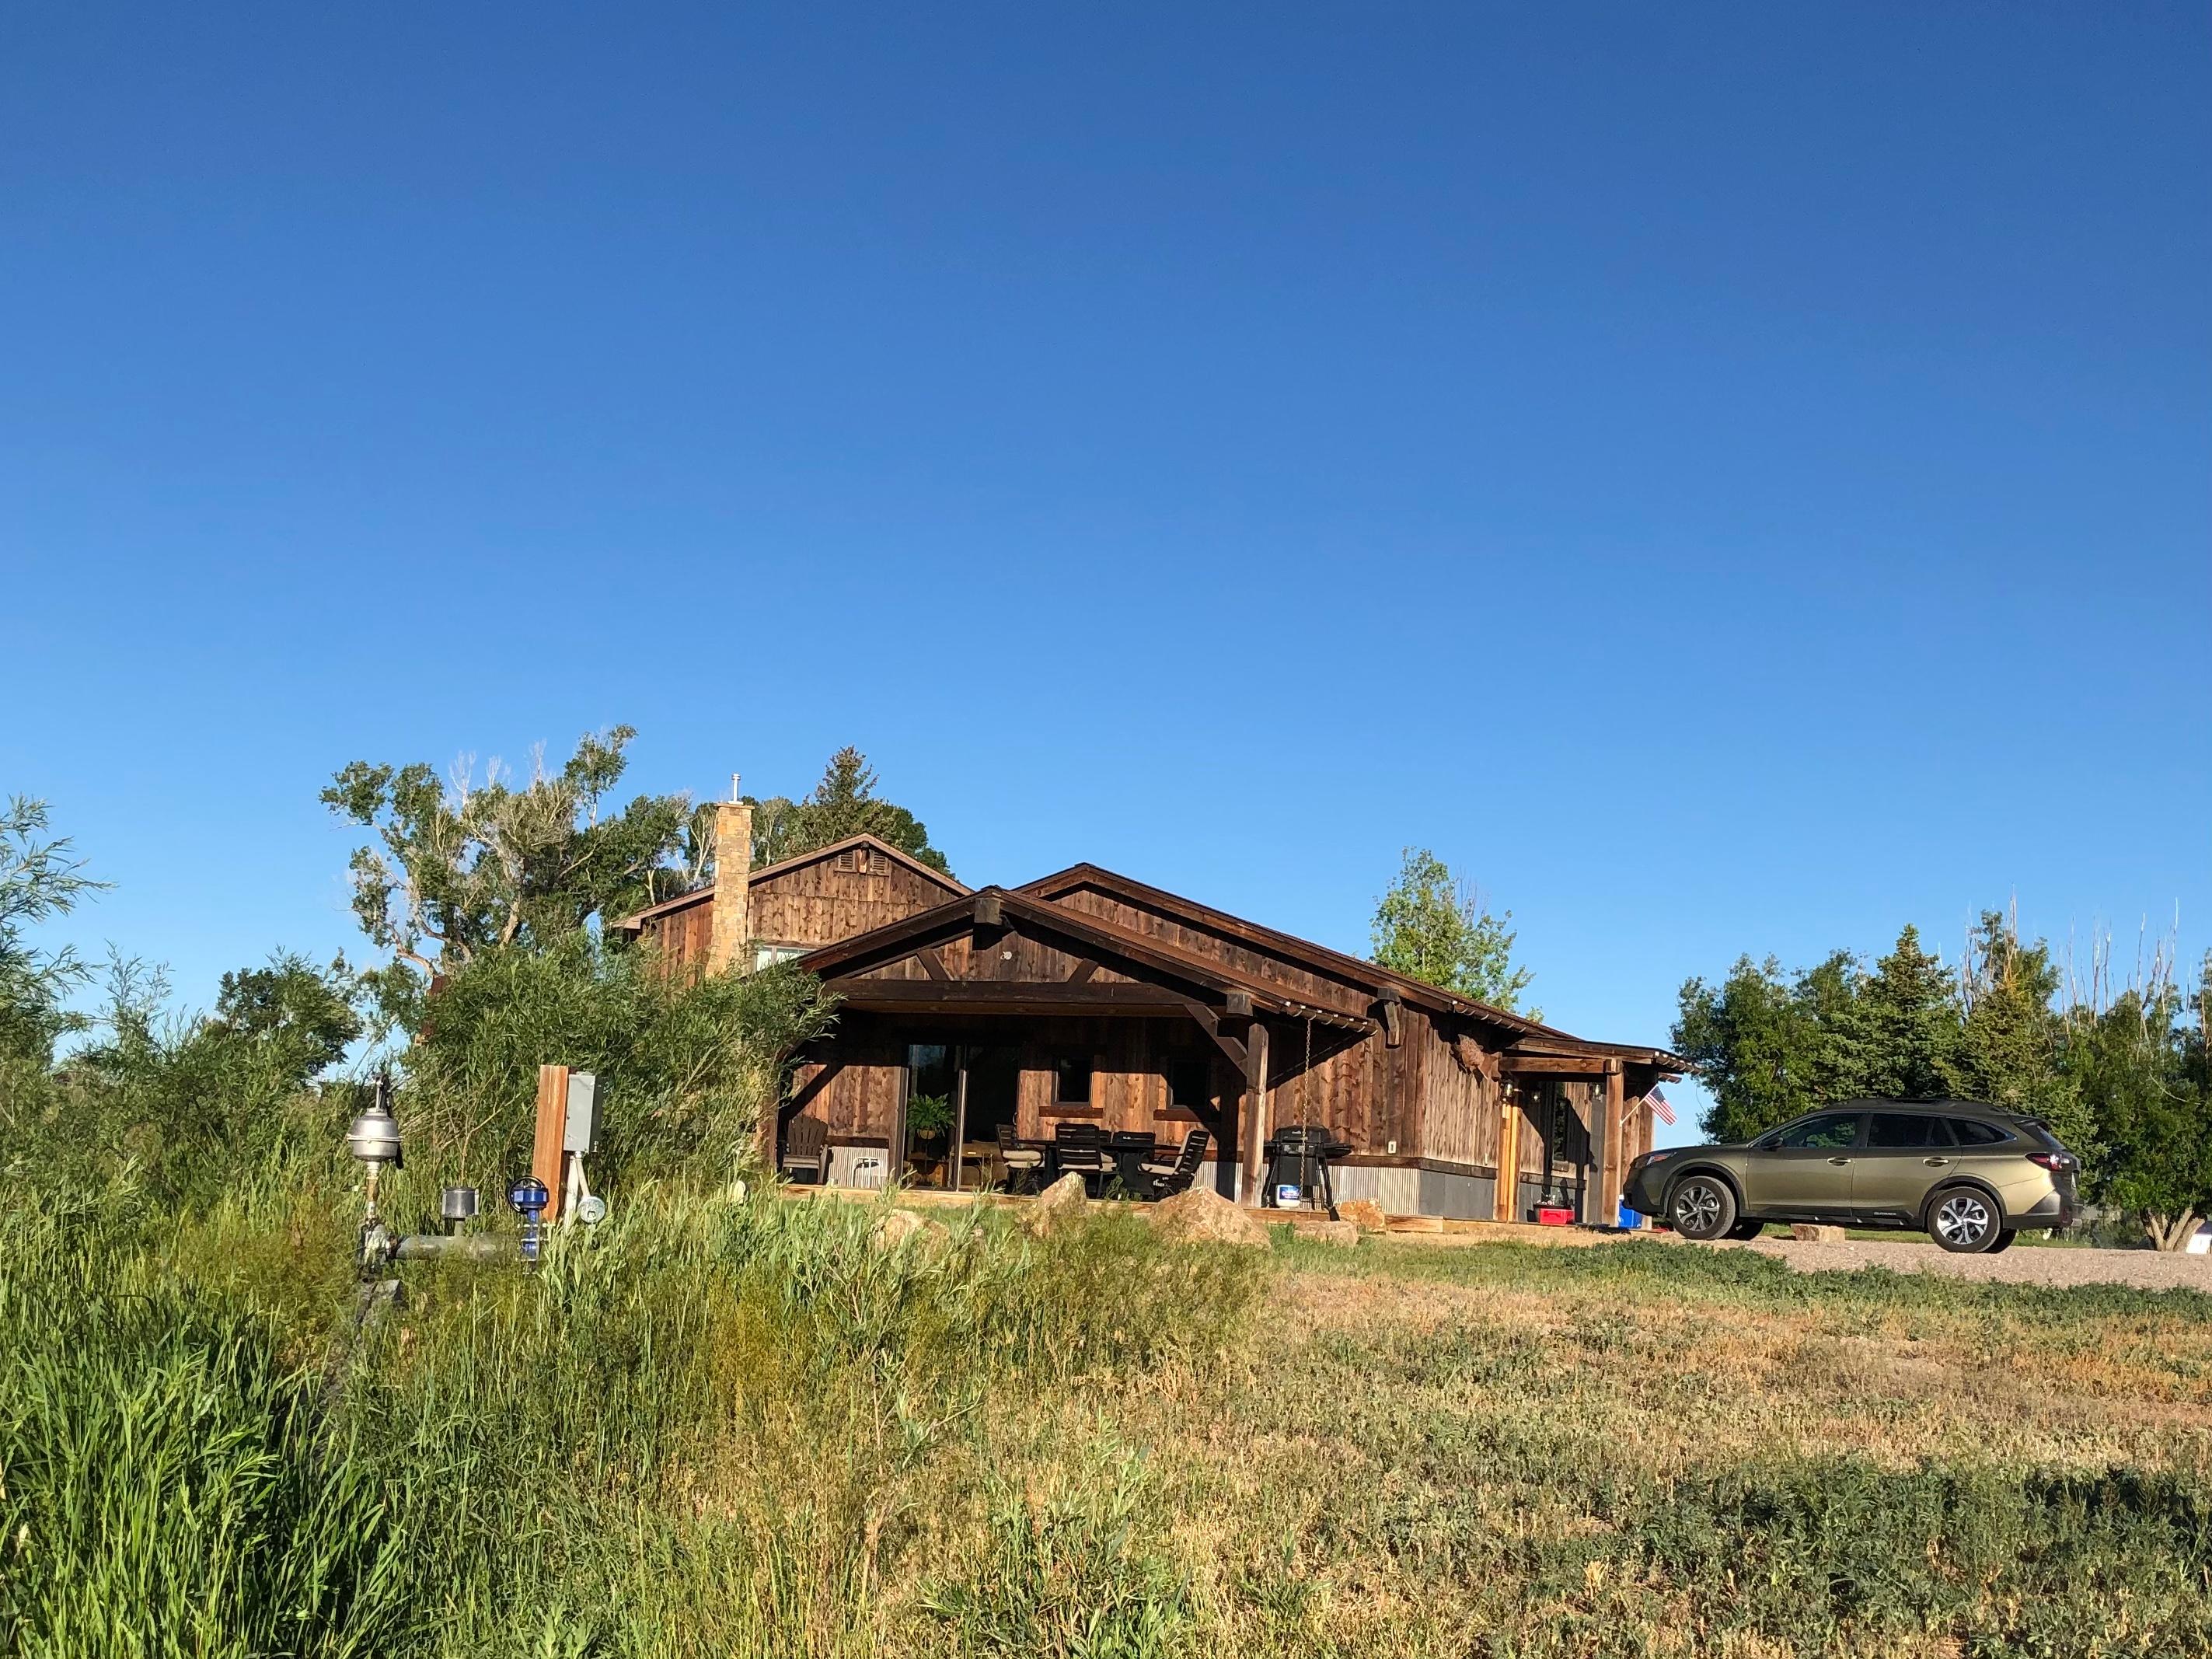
{"points": [[1298, 1167]]}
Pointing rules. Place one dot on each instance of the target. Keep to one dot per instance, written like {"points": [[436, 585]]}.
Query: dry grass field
{"points": [[1648, 1449]]}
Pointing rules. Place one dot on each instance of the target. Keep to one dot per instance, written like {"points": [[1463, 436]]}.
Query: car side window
{"points": [[1905, 1129], [1972, 1133], [1824, 1133]]}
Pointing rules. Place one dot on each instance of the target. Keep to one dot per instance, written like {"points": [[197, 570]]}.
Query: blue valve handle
{"points": [[530, 1197]]}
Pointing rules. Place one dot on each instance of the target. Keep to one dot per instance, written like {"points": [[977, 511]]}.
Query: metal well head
{"points": [[374, 1136]]}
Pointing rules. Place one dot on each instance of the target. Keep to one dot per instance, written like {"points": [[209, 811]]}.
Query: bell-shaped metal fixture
{"points": [[374, 1136]]}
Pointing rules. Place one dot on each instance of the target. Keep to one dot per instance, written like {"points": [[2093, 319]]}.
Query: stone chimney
{"points": [[728, 946]]}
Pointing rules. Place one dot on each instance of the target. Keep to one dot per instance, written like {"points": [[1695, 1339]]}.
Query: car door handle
{"points": [[1839, 1160], [1935, 1163]]}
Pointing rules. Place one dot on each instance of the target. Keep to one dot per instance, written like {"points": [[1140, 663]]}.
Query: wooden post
{"points": [[1255, 1110], [1509, 1155], [960, 1119], [546, 1157], [1612, 1112]]}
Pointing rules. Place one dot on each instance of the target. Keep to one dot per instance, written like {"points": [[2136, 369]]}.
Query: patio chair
{"points": [[1079, 1149], [1170, 1178], [806, 1152], [1022, 1162]]}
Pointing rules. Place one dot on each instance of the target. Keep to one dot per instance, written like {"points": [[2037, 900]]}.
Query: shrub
{"points": [[685, 1065]]}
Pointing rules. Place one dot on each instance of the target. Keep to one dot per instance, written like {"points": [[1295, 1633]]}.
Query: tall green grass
{"points": [[754, 1427], [739, 1424]]}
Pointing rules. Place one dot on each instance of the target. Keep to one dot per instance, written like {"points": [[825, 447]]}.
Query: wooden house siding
{"points": [[683, 936], [814, 899], [819, 902], [1461, 1094]]}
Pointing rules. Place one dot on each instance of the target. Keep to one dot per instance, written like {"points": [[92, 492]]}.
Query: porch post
{"points": [[1255, 1111], [1602, 1208], [1508, 1207]]}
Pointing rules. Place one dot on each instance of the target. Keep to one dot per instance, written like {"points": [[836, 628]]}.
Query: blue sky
{"points": [[1728, 477]]}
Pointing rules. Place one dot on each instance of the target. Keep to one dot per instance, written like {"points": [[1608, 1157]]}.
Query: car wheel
{"points": [[2004, 1240], [1747, 1230], [1964, 1220], [1701, 1206]]}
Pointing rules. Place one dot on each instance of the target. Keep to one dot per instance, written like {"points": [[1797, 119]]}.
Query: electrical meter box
{"points": [[582, 1133]]}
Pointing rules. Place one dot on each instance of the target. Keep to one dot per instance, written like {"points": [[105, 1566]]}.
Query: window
{"points": [[1827, 1132], [1906, 1130], [1190, 1085], [767, 956], [1071, 1084], [1972, 1133], [847, 860]]}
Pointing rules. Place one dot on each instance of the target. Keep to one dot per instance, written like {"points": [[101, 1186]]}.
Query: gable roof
{"points": [[898, 937], [1318, 956], [784, 867]]}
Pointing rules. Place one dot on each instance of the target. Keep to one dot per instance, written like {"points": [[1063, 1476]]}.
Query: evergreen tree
{"points": [[2011, 1040], [843, 803], [1907, 1024], [1432, 926]]}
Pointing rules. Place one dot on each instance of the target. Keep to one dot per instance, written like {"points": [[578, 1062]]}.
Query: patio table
{"points": [[1131, 1149]]}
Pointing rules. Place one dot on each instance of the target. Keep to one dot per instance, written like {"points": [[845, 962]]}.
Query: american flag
{"points": [[1660, 1108]]}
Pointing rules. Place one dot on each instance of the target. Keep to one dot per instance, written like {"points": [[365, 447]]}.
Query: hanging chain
{"points": [[1305, 1114]]}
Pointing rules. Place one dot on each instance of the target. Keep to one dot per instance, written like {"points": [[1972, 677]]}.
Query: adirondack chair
{"points": [[806, 1152]]}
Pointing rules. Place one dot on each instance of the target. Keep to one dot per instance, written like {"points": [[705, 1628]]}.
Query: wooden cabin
{"points": [[1089, 996]]}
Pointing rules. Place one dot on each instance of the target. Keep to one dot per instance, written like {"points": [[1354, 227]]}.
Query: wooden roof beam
{"points": [[1210, 1022], [1556, 1065]]}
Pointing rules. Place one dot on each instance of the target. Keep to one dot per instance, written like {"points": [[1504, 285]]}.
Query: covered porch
{"points": [[975, 1088], [972, 1036]]}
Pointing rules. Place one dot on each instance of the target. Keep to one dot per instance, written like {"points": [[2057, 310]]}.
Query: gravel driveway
{"points": [[2023, 1264]]}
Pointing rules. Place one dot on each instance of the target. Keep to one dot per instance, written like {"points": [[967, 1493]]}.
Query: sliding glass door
{"points": [[957, 1097], [930, 1122]]}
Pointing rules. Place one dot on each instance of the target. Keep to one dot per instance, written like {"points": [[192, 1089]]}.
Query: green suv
{"points": [[1970, 1177]]}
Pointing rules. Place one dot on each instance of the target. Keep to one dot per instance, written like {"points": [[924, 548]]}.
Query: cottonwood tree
{"points": [[1770, 1044], [39, 878], [298, 1019], [2140, 1071], [461, 867], [1431, 926]]}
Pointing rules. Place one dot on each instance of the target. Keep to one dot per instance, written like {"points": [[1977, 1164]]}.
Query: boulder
{"points": [[899, 1225], [1365, 1214], [1342, 1234], [1807, 1232], [1060, 1204], [1200, 1215]]}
